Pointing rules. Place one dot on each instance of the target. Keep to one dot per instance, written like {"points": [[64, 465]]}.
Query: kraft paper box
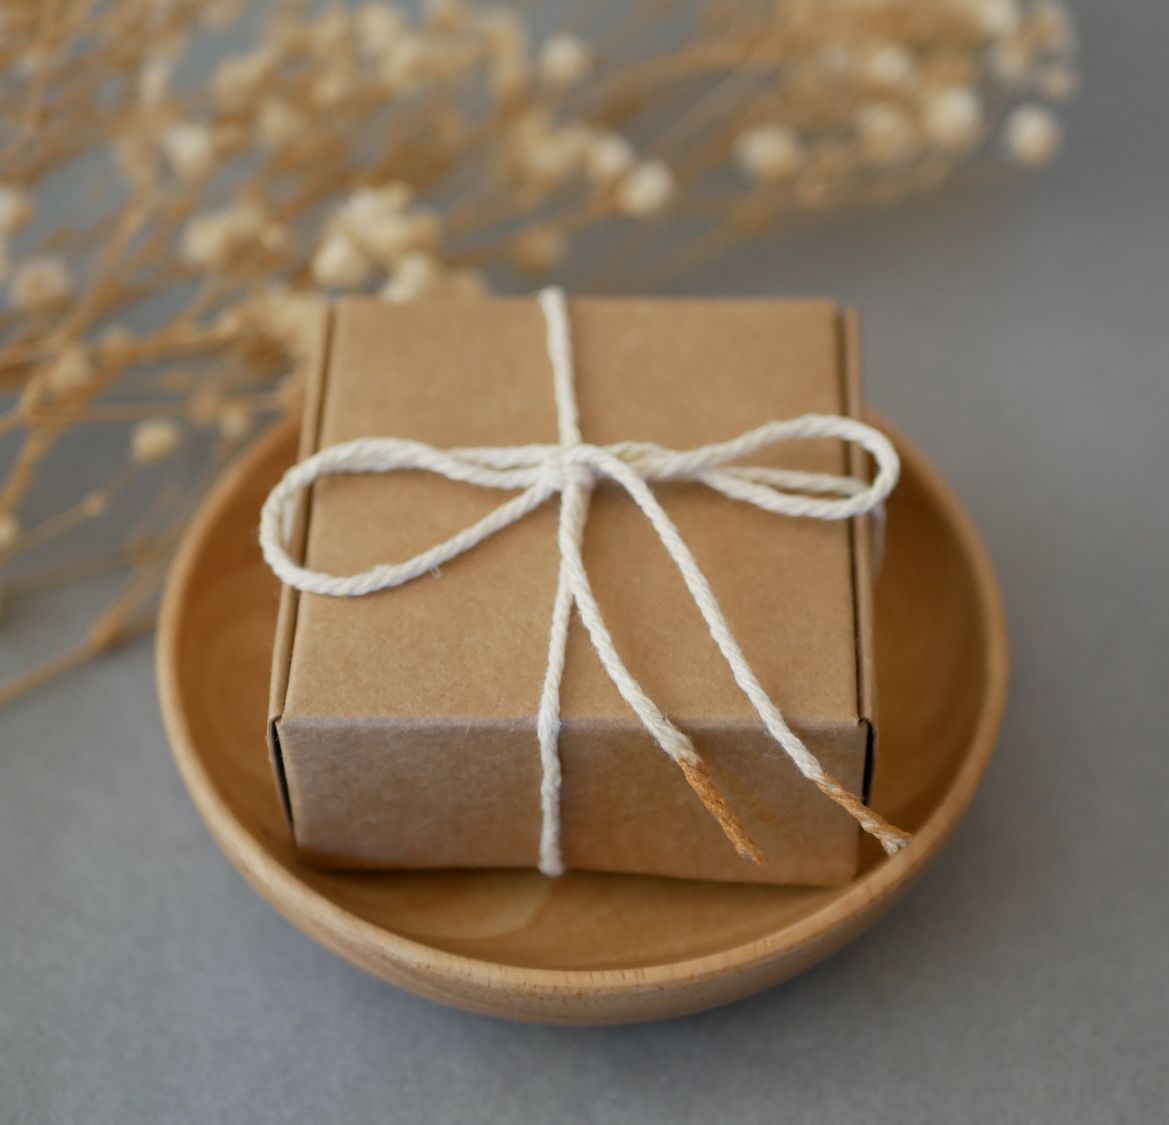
{"points": [[403, 723]]}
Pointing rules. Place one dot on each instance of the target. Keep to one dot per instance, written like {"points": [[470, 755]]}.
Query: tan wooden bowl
{"points": [[585, 948]]}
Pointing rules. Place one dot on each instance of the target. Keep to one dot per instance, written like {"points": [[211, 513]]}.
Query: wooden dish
{"points": [[585, 948]]}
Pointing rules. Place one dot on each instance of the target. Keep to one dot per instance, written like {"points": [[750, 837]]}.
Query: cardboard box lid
{"points": [[471, 643]]}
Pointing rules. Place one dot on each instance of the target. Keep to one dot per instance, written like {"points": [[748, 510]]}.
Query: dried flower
{"points": [[371, 147], [378, 28], [404, 66], [1032, 135], [892, 66], [9, 530], [504, 34], [647, 190], [339, 264], [377, 222], [769, 154], [190, 149], [15, 209], [953, 118], [212, 238], [995, 17], [548, 155], [235, 422], [154, 80], [153, 440], [40, 283], [415, 275], [564, 61], [70, 371], [277, 123], [237, 79], [608, 157]]}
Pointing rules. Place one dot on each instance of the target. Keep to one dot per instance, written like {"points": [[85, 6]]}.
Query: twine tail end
{"points": [[890, 837], [718, 807], [893, 840]]}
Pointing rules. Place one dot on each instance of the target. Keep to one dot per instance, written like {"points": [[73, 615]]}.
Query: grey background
{"points": [[1018, 330]]}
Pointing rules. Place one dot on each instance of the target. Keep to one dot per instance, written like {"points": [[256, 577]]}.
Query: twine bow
{"points": [[572, 468]]}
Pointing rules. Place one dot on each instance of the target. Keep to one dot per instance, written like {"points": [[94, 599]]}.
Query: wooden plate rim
{"points": [[364, 942]]}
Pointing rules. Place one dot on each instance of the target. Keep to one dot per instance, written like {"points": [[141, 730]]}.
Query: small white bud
{"points": [[504, 33], [210, 239], [153, 440], [377, 222], [550, 156], [204, 241], [9, 530], [236, 79], [415, 275], [154, 80], [995, 17], [608, 157], [953, 118], [235, 421], [891, 65], [70, 371], [378, 27], [15, 208], [405, 64], [647, 190], [40, 283], [339, 264], [277, 123], [190, 148], [564, 61], [1032, 135], [769, 154]]}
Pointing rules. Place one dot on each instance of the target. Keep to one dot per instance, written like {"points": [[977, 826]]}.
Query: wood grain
{"points": [[585, 948]]}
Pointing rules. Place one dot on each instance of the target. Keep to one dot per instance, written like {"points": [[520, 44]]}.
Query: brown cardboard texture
{"points": [[403, 722]]}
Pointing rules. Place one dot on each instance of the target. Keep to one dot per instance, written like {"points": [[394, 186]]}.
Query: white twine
{"points": [[572, 468]]}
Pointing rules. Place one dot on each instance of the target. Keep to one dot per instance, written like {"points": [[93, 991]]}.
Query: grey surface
{"points": [[1018, 330]]}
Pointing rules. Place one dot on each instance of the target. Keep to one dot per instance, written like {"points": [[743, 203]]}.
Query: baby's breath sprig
{"points": [[403, 153]]}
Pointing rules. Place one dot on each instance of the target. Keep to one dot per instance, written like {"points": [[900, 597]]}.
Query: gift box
{"points": [[403, 723]]}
